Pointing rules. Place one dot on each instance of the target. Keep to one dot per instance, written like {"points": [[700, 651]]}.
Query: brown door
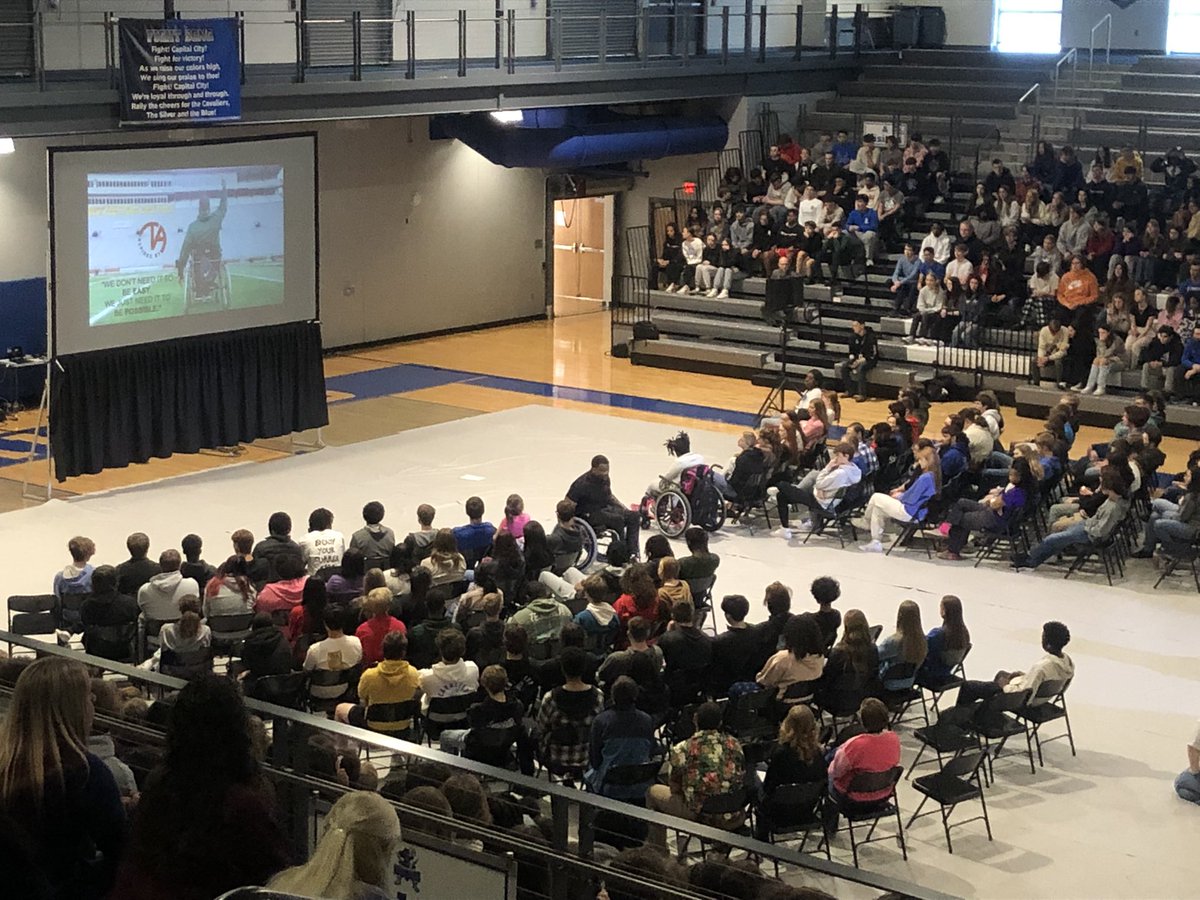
{"points": [[581, 274]]}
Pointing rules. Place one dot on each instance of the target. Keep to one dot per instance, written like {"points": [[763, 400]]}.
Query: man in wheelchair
{"points": [[594, 503], [202, 248], [680, 448]]}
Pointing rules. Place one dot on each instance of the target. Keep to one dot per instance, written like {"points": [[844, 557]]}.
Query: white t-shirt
{"points": [[334, 654], [322, 548]]}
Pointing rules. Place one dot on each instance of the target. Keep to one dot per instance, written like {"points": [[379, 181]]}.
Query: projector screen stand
{"points": [[30, 490]]}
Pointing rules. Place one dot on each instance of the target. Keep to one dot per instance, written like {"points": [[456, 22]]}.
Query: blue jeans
{"points": [[1176, 537], [1187, 786], [1057, 543], [1160, 511]]}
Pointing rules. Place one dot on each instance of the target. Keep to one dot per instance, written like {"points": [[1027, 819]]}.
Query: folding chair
{"points": [[114, 642], [1191, 558], [382, 714], [940, 684], [1107, 551], [858, 813], [287, 690], [794, 809], [996, 722], [228, 630], [701, 589], [747, 716], [70, 612], [959, 781], [328, 678], [899, 700], [851, 502], [445, 713], [1052, 708], [32, 615], [1011, 538], [571, 736], [188, 665], [911, 529], [722, 807], [950, 734]]}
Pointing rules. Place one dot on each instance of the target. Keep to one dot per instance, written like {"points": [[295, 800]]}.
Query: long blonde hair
{"points": [[46, 728], [913, 647], [799, 731], [361, 838]]}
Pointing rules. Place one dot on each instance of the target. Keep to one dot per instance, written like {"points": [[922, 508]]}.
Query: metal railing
{"points": [[1071, 56], [566, 857], [1106, 20], [1035, 130], [987, 352], [433, 43]]}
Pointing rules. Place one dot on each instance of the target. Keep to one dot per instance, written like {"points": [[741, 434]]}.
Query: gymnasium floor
{"points": [[522, 408]]}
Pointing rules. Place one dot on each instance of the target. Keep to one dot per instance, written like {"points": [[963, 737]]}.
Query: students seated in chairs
{"points": [[705, 765], [1093, 529], [1176, 525], [276, 544], [306, 622], [904, 646], [801, 659], [877, 749], [566, 715], [138, 569], [826, 591], [287, 589], [700, 561], [159, 597], [496, 726], [423, 638], [796, 759], [853, 663], [640, 598], [751, 461], [378, 625], [951, 636], [76, 577], [598, 618], [777, 598], [543, 616], [474, 538], [393, 680], [347, 583], [337, 652], [444, 561], [818, 491], [230, 591], [375, 541], [485, 641], [322, 547], [451, 675], [549, 672], [184, 639], [1055, 665], [994, 513], [265, 651], [908, 503], [687, 653], [735, 650], [621, 735], [103, 613], [637, 633], [420, 542]]}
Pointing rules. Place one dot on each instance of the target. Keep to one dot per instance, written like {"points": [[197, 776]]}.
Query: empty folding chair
{"points": [[32, 615], [996, 722], [951, 734], [959, 781]]}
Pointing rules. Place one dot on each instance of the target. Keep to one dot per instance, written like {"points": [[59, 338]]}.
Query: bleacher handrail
{"points": [[1105, 19], [1072, 56], [560, 796]]}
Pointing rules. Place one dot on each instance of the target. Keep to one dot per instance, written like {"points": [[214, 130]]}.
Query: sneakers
{"points": [[711, 292], [1078, 387], [908, 340], [671, 288], [684, 289], [772, 492], [1087, 390], [804, 526], [724, 295], [785, 533], [1101, 392], [872, 547], [63, 637], [950, 555]]}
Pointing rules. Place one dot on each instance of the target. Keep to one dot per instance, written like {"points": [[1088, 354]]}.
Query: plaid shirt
{"points": [[553, 721], [706, 764], [866, 459]]}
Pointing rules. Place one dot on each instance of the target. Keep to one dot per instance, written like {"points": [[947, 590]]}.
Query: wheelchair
{"points": [[206, 281], [695, 499], [595, 544]]}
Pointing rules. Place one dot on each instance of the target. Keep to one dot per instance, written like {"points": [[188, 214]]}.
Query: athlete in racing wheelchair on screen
{"points": [[200, 267]]}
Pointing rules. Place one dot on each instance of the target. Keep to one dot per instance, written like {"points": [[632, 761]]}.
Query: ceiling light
{"points": [[508, 116], [7, 146]]}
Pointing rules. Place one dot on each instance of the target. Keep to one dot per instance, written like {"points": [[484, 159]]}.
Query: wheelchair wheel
{"points": [[712, 517], [587, 553], [673, 513]]}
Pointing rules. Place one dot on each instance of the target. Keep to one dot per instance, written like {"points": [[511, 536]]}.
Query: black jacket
{"points": [[267, 552], [866, 346], [734, 656], [1169, 354], [590, 494]]}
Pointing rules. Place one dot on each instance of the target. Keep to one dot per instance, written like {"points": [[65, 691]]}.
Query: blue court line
{"points": [[408, 377]]}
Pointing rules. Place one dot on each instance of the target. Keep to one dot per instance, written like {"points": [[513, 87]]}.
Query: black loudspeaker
{"points": [[783, 295], [645, 331]]}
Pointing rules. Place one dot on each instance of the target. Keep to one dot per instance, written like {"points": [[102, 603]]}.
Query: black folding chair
{"points": [[572, 737], [936, 684], [851, 501], [701, 589], [445, 713], [794, 809], [996, 722], [874, 812], [229, 630], [1053, 706], [281, 690], [959, 781], [1107, 551], [747, 716], [32, 615], [949, 735], [729, 808], [188, 664], [115, 642], [381, 715], [900, 699], [338, 679]]}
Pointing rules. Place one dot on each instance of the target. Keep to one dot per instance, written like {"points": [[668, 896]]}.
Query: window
{"points": [[1028, 26], [1183, 25]]}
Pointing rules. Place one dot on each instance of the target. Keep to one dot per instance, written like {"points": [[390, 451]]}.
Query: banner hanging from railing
{"points": [[180, 70]]}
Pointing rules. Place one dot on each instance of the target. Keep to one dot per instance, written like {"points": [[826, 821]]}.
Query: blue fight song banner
{"points": [[180, 71]]}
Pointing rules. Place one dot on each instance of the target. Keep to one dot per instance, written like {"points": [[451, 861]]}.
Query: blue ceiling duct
{"points": [[577, 137]]}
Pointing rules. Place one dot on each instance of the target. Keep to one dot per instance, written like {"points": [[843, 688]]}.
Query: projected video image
{"points": [[181, 242]]}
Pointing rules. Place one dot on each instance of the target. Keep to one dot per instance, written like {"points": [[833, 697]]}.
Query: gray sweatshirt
{"points": [[1106, 519]]}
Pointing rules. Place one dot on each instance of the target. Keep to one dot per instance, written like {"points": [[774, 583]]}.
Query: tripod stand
{"points": [[776, 400]]}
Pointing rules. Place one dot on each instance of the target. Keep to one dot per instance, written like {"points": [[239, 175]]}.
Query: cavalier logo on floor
{"points": [[152, 240]]}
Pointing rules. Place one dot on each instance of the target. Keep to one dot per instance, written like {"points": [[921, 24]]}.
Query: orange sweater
{"points": [[1076, 289]]}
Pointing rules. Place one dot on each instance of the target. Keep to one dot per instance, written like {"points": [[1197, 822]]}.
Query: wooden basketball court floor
{"points": [[1102, 824]]}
